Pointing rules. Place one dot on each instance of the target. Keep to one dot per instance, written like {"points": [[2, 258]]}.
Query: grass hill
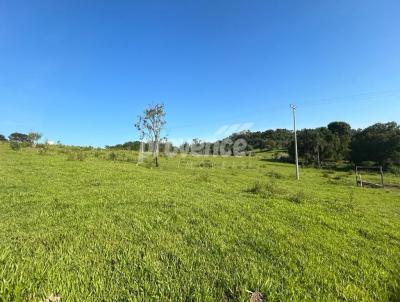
{"points": [[92, 225]]}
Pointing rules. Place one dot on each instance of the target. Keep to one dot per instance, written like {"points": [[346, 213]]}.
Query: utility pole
{"points": [[295, 140]]}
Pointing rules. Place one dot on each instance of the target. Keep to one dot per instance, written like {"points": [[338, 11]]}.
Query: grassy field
{"points": [[92, 226]]}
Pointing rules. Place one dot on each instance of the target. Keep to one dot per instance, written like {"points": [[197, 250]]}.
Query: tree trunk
{"points": [[156, 152]]}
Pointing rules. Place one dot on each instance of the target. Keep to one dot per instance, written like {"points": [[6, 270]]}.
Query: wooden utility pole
{"points": [[295, 140]]}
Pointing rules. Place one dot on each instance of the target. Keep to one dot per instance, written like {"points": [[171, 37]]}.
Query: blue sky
{"points": [[81, 71]]}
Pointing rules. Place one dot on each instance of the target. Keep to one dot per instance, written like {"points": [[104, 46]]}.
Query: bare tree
{"points": [[150, 126]]}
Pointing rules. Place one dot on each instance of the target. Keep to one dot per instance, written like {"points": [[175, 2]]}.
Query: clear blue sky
{"points": [[81, 71]]}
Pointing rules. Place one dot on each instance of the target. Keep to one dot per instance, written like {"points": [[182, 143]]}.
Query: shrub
{"points": [[328, 173], [264, 189], [148, 162], [368, 163], [112, 156], [79, 155], [205, 164], [16, 146], [325, 174], [298, 197], [131, 160], [395, 170], [62, 151], [278, 155], [42, 150], [274, 174]]}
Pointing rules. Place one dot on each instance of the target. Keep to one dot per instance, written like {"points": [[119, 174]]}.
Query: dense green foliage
{"points": [[2, 138], [269, 139], [19, 137], [324, 144], [379, 143], [91, 226], [133, 146]]}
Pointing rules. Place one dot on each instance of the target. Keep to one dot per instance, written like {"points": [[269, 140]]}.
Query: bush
{"points": [[298, 197], [278, 155], [395, 170], [368, 163], [62, 151], [78, 155], [42, 149], [112, 156], [97, 154], [205, 164], [325, 174], [16, 146], [131, 160], [274, 174], [264, 189], [328, 173]]}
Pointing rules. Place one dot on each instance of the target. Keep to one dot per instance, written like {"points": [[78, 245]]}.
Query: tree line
{"points": [[18, 140], [29, 139], [337, 142], [378, 144], [265, 140]]}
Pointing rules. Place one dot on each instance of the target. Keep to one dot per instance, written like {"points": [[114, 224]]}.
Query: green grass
{"points": [[97, 227]]}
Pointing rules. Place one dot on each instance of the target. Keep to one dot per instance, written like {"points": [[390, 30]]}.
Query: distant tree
{"points": [[322, 148], [320, 145], [379, 143], [2, 138], [270, 144], [34, 137], [134, 146], [184, 148], [269, 139], [150, 126], [342, 129], [340, 139], [307, 145], [197, 146], [281, 137], [19, 137]]}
